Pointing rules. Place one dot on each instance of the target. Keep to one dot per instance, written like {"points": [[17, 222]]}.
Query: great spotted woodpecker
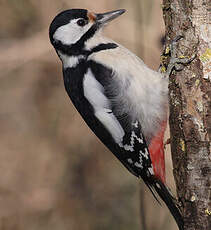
{"points": [[122, 100]]}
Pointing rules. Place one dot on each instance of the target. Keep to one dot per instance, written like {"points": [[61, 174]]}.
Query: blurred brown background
{"points": [[54, 173]]}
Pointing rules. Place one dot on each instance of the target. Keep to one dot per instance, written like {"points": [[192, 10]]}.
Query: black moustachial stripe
{"points": [[72, 51], [86, 53]]}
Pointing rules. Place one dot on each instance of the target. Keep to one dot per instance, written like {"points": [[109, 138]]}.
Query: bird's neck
{"points": [[96, 40], [82, 48], [72, 61]]}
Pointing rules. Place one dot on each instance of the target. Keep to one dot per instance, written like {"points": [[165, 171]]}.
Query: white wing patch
{"points": [[94, 93]]}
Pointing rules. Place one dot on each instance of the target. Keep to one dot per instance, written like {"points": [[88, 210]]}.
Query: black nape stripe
{"points": [[103, 46]]}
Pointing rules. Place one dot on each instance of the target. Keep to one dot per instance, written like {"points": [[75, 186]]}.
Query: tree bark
{"points": [[190, 109]]}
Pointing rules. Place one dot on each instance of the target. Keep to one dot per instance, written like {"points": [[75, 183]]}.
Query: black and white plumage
{"points": [[119, 97]]}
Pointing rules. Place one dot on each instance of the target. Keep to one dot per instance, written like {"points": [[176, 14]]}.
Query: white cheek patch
{"points": [[94, 93], [70, 33]]}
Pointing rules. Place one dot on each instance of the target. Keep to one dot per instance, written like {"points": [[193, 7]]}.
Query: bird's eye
{"points": [[81, 22]]}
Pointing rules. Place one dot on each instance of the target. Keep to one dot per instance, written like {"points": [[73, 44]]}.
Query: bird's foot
{"points": [[175, 62], [167, 142]]}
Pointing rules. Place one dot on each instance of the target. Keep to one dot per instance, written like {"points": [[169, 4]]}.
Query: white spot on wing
{"points": [[94, 93], [135, 124], [130, 160], [145, 154], [158, 185], [138, 165], [130, 147], [151, 171]]}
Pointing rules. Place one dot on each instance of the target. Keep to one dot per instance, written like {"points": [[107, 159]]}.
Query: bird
{"points": [[120, 98]]}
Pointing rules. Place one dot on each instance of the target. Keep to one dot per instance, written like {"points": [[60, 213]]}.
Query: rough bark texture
{"points": [[190, 109]]}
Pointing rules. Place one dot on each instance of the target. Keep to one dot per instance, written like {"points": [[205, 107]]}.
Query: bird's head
{"points": [[76, 26]]}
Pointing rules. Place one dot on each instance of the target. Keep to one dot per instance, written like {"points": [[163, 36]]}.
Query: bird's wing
{"points": [[131, 81], [128, 143]]}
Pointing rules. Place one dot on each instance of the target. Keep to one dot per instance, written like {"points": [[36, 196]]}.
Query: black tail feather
{"points": [[157, 185]]}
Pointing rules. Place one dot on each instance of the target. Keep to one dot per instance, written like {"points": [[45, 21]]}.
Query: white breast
{"points": [[146, 98]]}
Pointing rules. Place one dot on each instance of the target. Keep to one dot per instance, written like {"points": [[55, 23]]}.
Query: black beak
{"points": [[109, 16]]}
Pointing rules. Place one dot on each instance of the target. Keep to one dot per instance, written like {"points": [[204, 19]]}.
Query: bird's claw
{"points": [[175, 62]]}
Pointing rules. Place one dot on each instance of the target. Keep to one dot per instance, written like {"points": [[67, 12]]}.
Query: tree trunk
{"points": [[190, 109]]}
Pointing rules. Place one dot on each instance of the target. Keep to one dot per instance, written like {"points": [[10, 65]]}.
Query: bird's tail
{"points": [[157, 185], [157, 182]]}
